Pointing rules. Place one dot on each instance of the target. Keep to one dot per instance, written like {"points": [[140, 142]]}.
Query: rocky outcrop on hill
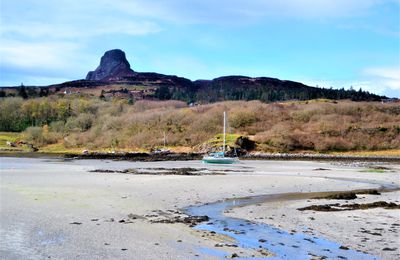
{"points": [[114, 69], [113, 66]]}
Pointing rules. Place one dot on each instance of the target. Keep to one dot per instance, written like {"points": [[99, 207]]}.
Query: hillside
{"points": [[117, 108], [77, 123], [114, 78]]}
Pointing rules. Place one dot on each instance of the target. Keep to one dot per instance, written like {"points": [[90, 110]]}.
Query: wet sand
{"points": [[58, 209]]}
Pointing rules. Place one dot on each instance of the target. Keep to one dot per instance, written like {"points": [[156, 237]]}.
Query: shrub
{"points": [[57, 126], [40, 135], [242, 118], [80, 123]]}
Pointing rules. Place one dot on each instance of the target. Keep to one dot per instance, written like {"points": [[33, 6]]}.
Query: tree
{"points": [[22, 92], [44, 92], [162, 93]]}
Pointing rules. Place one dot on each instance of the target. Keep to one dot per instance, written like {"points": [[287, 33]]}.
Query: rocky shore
{"points": [[328, 157], [148, 157]]}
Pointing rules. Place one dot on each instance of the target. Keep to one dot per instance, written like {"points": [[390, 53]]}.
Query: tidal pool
{"points": [[282, 244]]}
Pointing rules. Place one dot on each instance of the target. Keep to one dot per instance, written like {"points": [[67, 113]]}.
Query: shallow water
{"points": [[281, 243]]}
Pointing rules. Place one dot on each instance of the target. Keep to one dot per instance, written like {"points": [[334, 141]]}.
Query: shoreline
{"points": [[376, 233], [148, 157], [270, 240]]}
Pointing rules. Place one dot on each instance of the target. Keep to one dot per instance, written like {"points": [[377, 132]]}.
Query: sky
{"points": [[325, 43]]}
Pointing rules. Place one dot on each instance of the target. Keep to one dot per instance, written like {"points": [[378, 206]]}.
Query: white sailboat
{"points": [[219, 157], [164, 150]]}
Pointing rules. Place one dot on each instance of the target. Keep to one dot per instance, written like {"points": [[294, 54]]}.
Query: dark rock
{"points": [[389, 249], [309, 240], [371, 233], [189, 220], [370, 192], [355, 206], [134, 216], [33, 148], [102, 171], [195, 219], [319, 208], [339, 196], [377, 204], [11, 144], [245, 143], [264, 252], [113, 66]]}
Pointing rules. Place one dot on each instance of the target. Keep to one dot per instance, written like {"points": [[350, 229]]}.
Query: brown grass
{"points": [[320, 126]]}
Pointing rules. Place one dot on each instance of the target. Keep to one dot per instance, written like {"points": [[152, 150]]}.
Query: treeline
{"points": [[91, 123], [207, 91], [25, 92], [16, 114], [263, 89]]}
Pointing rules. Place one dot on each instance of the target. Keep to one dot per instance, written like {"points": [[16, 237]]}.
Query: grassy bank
{"points": [[72, 124]]}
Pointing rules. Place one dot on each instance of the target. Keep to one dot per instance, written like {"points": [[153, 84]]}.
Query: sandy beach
{"points": [[52, 208]]}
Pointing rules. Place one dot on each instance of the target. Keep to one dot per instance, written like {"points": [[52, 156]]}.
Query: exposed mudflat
{"points": [[369, 223], [53, 208]]}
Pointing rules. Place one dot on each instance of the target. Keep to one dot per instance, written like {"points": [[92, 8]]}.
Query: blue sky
{"points": [[338, 43]]}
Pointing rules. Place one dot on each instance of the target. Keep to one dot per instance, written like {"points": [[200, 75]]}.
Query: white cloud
{"points": [[241, 11], [90, 18], [71, 31], [385, 78], [389, 76], [380, 80], [53, 35], [141, 16], [69, 19], [43, 57], [51, 38]]}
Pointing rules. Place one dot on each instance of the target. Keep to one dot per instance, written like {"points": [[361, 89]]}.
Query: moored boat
{"points": [[219, 157]]}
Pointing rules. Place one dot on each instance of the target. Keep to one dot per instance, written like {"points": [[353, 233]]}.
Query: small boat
{"points": [[219, 157], [163, 150]]}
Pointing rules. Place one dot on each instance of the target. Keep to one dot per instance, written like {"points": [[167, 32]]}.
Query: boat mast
{"points": [[223, 148], [164, 140]]}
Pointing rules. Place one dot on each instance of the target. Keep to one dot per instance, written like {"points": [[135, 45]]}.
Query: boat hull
{"points": [[224, 160]]}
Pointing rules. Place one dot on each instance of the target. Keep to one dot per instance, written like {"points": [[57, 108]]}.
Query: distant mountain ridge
{"points": [[114, 69]]}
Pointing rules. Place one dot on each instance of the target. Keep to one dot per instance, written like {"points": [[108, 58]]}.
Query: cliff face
{"points": [[113, 66]]}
